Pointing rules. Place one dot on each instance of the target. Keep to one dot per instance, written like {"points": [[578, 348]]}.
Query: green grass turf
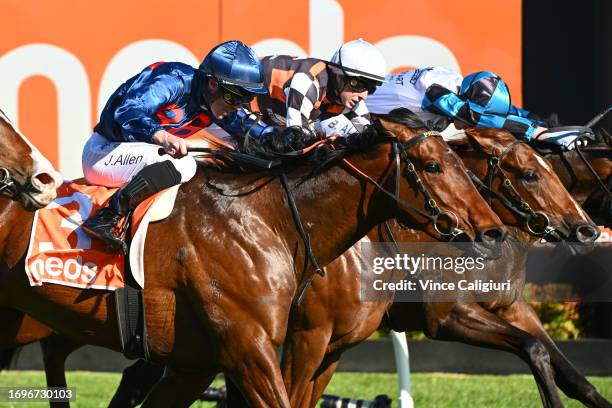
{"points": [[429, 390]]}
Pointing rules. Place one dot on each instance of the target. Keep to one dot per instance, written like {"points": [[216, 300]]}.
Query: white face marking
{"points": [[581, 212], [543, 163]]}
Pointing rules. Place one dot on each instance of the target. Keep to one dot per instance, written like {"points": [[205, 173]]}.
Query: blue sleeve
{"points": [[242, 121], [137, 113], [514, 110], [444, 102]]}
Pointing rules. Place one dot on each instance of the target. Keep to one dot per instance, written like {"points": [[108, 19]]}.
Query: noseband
{"points": [[11, 188], [434, 214], [537, 222]]}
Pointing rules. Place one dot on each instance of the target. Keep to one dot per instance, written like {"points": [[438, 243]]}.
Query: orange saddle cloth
{"points": [[60, 252]]}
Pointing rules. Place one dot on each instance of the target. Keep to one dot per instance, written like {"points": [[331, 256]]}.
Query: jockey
{"points": [[326, 97], [140, 137], [480, 99]]}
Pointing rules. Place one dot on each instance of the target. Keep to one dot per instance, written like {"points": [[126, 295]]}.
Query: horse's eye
{"points": [[530, 176], [433, 167]]}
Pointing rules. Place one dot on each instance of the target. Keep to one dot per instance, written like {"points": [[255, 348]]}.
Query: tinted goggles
{"points": [[234, 96], [361, 85]]}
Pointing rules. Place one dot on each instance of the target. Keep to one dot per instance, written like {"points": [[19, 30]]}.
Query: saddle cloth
{"points": [[60, 252]]}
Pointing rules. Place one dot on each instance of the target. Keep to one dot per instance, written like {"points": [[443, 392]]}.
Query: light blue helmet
{"points": [[236, 64], [486, 93]]}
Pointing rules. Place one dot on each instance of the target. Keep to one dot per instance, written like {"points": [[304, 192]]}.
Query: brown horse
{"points": [[319, 310], [204, 313], [329, 315], [26, 176], [332, 317], [582, 183]]}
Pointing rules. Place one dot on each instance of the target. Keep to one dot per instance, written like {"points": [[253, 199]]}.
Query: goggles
{"points": [[357, 84], [232, 96]]}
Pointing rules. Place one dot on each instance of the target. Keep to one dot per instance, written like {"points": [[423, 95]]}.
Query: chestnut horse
{"points": [[332, 318], [322, 318], [580, 181], [204, 314], [325, 324], [26, 176]]}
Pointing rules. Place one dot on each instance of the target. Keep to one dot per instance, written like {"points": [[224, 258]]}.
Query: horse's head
{"points": [[425, 172], [26, 176], [524, 188]]}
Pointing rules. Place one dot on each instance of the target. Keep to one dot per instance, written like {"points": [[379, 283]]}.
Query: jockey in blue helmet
{"points": [[159, 107], [480, 99]]}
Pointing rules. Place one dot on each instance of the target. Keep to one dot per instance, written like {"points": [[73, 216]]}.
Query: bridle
{"points": [[434, 214], [11, 188], [537, 222]]}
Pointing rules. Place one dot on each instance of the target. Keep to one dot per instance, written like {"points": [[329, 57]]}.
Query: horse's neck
{"points": [[334, 210], [15, 231]]}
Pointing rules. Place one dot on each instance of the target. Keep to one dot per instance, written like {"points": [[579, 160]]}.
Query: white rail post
{"points": [[402, 365]]}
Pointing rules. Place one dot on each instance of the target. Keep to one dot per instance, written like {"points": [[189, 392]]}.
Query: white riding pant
{"points": [[113, 164]]}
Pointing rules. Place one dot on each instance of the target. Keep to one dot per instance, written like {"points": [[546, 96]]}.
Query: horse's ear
{"points": [[394, 129], [491, 141]]}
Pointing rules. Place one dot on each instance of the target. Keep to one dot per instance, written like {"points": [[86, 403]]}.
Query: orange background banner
{"points": [[61, 60]]}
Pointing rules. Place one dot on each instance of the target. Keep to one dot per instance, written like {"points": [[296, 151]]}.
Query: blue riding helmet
{"points": [[486, 93], [234, 63]]}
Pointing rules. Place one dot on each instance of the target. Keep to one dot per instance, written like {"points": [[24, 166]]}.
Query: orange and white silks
{"points": [[61, 252]]}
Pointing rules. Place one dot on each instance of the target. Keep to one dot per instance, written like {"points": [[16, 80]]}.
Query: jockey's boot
{"points": [[150, 180]]}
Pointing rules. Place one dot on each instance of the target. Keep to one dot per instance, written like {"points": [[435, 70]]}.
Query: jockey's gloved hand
{"points": [[566, 138], [337, 125], [173, 145], [360, 123]]}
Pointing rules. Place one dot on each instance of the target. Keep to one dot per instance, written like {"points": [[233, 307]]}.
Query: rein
{"points": [[586, 133], [537, 222]]}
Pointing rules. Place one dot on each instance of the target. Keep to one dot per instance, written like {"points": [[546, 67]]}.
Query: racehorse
{"points": [[332, 318], [26, 176], [340, 318], [332, 313], [587, 186], [225, 224]]}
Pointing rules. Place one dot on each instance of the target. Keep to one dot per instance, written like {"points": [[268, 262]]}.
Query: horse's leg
{"points": [[177, 389], [323, 377], [571, 382], [303, 353], [55, 349], [256, 371], [136, 382], [471, 324]]}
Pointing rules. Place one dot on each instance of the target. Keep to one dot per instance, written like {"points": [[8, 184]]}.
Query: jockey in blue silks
{"points": [[480, 99], [158, 108]]}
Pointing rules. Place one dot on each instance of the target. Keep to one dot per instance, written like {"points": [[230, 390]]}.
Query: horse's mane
{"points": [[288, 147]]}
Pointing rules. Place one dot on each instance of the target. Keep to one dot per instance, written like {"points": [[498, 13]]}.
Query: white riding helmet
{"points": [[361, 59]]}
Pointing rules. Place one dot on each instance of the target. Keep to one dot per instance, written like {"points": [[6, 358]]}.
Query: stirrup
{"points": [[113, 243]]}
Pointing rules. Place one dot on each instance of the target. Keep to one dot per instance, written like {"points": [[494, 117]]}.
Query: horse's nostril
{"points": [[493, 235], [587, 233], [44, 178]]}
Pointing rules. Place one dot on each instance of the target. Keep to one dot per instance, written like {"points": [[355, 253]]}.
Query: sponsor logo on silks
{"points": [[417, 74], [127, 159]]}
